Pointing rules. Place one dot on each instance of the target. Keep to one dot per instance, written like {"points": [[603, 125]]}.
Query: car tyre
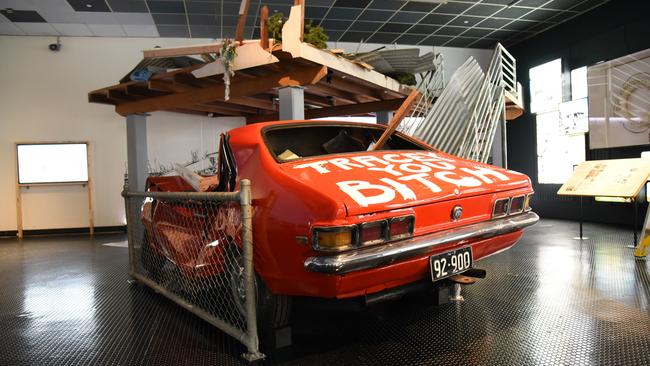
{"points": [[273, 311]]}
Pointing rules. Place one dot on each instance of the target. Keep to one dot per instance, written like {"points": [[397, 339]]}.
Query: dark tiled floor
{"points": [[550, 300]]}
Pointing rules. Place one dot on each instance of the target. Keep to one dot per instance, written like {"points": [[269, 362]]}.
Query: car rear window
{"points": [[291, 142]]}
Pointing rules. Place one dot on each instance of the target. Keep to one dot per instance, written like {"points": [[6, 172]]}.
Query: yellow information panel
{"points": [[611, 178]]}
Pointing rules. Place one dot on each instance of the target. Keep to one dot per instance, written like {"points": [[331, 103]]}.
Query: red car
{"points": [[335, 220]]}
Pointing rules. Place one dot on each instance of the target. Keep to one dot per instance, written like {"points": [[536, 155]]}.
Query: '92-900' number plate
{"points": [[450, 263]]}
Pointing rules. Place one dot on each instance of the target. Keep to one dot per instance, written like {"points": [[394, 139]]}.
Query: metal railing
{"points": [[465, 116], [196, 249]]}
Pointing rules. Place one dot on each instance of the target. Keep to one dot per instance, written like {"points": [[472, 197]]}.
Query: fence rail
{"points": [[196, 249]]}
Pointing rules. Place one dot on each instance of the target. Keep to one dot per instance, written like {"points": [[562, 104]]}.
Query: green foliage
{"points": [[228, 52], [313, 34], [275, 24]]}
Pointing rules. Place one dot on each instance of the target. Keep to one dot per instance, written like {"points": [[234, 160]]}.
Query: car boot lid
{"points": [[375, 181]]}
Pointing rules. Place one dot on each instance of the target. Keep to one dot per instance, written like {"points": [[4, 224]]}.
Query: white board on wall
{"points": [[619, 101], [52, 163]]}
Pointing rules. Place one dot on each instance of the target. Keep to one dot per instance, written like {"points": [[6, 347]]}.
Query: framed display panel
{"points": [[52, 164], [46, 163]]}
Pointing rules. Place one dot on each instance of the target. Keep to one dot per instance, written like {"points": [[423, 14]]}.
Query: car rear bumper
{"points": [[389, 253]]}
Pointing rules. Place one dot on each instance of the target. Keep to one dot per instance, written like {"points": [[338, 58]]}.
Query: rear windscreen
{"points": [[288, 143]]}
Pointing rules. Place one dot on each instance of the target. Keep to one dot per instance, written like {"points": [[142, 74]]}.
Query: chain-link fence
{"points": [[196, 249]]}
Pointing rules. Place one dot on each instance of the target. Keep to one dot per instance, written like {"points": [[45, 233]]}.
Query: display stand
{"points": [[621, 178], [581, 237], [88, 184]]}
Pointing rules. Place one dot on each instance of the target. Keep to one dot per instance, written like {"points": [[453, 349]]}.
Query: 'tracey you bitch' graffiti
{"points": [[402, 172]]}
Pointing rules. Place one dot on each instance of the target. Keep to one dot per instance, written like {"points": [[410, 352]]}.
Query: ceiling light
{"points": [[465, 21], [89, 5], [9, 10]]}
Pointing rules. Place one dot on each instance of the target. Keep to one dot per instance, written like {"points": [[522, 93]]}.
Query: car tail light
{"points": [[332, 239], [516, 205], [373, 232], [401, 227], [501, 207], [527, 202]]}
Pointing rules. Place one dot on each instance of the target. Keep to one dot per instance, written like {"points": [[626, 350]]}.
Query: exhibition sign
{"points": [[610, 178]]}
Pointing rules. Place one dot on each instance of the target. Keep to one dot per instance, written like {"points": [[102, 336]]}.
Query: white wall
{"points": [[43, 97]]}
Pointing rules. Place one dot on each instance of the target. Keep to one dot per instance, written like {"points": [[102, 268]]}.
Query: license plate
{"points": [[450, 263]]}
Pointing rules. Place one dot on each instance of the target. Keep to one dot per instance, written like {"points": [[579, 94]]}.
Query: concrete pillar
{"points": [[136, 150], [383, 117], [292, 103]]}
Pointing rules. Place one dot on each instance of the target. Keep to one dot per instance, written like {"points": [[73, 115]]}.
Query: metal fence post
{"points": [[249, 274], [129, 230]]}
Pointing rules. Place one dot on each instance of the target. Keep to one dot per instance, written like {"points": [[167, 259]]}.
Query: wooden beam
{"points": [[345, 110], [143, 91], [189, 79], [241, 22], [182, 51], [213, 109], [326, 90], [254, 102], [264, 28], [397, 118], [162, 85], [100, 99], [351, 86], [305, 76], [118, 95], [227, 106], [168, 86]]}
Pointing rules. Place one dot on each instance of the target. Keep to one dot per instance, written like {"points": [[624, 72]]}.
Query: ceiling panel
{"points": [[387, 4], [11, 29], [73, 30], [376, 15], [107, 30], [173, 31], [140, 30], [458, 23], [22, 16], [133, 18], [440, 19], [436, 40], [169, 18], [344, 13], [381, 37], [483, 9], [170, 7], [351, 36], [352, 3], [128, 6], [407, 17], [89, 5], [38, 29], [202, 7]]}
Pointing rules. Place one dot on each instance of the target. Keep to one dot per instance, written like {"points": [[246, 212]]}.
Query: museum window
{"points": [[561, 120]]}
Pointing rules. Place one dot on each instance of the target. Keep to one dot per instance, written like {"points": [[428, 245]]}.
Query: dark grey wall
{"points": [[615, 29]]}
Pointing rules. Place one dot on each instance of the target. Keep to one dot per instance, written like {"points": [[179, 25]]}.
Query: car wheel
{"points": [[273, 311]]}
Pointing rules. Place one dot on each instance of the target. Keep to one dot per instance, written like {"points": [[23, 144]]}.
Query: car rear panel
{"points": [[370, 182]]}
